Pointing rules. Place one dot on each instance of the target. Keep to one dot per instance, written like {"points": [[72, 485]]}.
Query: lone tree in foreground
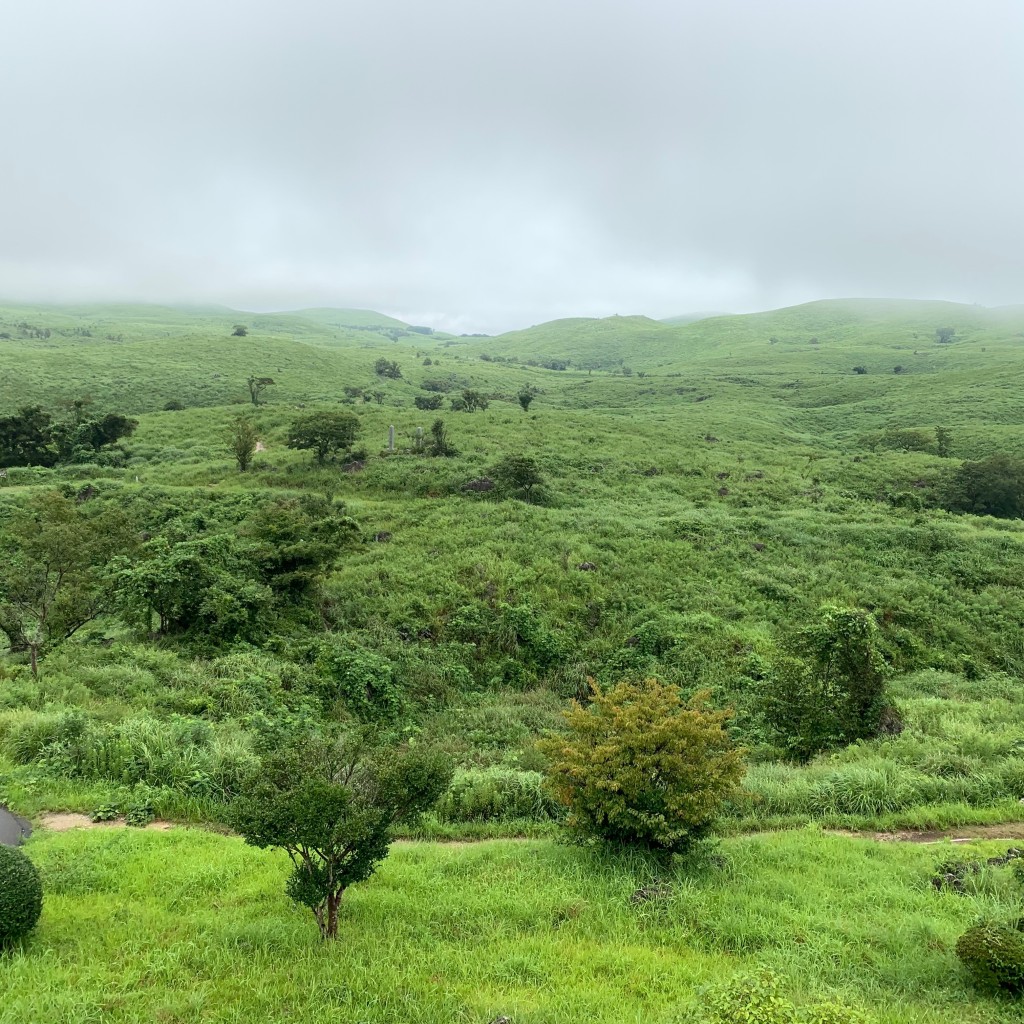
{"points": [[330, 805], [324, 433], [640, 768], [526, 397], [243, 437]]}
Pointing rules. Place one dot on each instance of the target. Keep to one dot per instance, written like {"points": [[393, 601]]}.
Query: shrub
{"points": [[757, 1000], [21, 895], [993, 954], [828, 688], [362, 679], [639, 767], [428, 402], [497, 794], [991, 487]]}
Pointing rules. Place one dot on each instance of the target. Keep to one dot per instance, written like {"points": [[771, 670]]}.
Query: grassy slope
{"points": [[187, 927]]}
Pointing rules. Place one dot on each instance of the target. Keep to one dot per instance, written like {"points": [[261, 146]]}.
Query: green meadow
{"points": [[707, 487]]}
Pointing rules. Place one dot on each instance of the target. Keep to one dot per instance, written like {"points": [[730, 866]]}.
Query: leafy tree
{"points": [[641, 768], [257, 385], [26, 438], [239, 331], [243, 437], [331, 807], [387, 368], [944, 442], [440, 446], [473, 400], [324, 433], [207, 588], [428, 402], [81, 441], [860, 369], [379, 396], [518, 473], [296, 541], [989, 487], [55, 573], [526, 396], [944, 335], [828, 687]]}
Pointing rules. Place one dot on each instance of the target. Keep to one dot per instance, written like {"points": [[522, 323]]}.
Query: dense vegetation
{"points": [[214, 546]]}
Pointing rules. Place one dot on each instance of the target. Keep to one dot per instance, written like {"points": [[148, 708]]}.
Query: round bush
{"points": [[21, 895], [993, 954]]}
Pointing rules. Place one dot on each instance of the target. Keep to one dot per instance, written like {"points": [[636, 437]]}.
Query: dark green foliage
{"points": [[206, 589], [993, 954], [243, 436], [639, 767], [943, 442], [944, 335], [518, 473], [257, 385], [902, 440], [239, 331], [526, 397], [429, 402], [324, 433], [440, 446], [26, 438], [331, 806], [471, 401], [363, 680], [387, 368], [989, 487], [174, 405], [55, 570], [827, 689], [860, 369], [21, 895]]}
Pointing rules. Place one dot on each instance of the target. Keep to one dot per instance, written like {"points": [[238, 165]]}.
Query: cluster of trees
{"points": [[31, 437]]}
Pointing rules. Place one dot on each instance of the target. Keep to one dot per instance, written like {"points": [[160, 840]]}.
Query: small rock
{"points": [[382, 537], [587, 567], [757, 546]]}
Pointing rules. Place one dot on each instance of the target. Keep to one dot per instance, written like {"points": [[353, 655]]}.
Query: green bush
{"points": [[21, 895], [639, 767], [757, 1000], [993, 954], [497, 794]]}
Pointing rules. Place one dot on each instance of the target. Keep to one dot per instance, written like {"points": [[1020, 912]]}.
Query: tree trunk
{"points": [[34, 655], [332, 915]]}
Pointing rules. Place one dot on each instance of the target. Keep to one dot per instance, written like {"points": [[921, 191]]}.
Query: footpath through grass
{"points": [[189, 926]]}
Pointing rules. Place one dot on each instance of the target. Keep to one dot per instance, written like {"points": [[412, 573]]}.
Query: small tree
{"points": [[243, 437], [526, 396], [473, 400], [54, 575], [440, 446], [257, 385], [331, 807], [641, 768], [518, 473], [944, 442], [428, 402], [944, 335], [860, 370], [989, 487], [827, 687], [387, 368], [239, 331], [324, 433]]}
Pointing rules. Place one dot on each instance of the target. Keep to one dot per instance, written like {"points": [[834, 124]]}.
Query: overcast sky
{"points": [[489, 164]]}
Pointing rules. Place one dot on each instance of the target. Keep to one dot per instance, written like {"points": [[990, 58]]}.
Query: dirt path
{"points": [[13, 829]]}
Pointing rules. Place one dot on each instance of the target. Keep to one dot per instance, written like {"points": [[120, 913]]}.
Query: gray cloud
{"points": [[486, 165]]}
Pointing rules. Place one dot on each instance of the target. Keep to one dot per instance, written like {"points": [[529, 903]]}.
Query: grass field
{"points": [[188, 926]]}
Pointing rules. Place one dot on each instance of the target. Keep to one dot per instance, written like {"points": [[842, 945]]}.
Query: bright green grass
{"points": [[190, 926]]}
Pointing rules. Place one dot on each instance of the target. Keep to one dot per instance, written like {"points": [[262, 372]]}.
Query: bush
{"points": [[497, 794], [641, 768], [21, 895], [993, 954], [757, 1000], [991, 487]]}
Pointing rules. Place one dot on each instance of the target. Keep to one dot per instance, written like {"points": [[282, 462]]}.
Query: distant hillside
{"points": [[689, 318], [358, 318], [828, 336]]}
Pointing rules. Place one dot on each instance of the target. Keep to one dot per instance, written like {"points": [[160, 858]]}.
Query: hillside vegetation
{"points": [[699, 493]]}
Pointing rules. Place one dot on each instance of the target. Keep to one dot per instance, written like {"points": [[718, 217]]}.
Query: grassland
{"points": [[722, 491]]}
